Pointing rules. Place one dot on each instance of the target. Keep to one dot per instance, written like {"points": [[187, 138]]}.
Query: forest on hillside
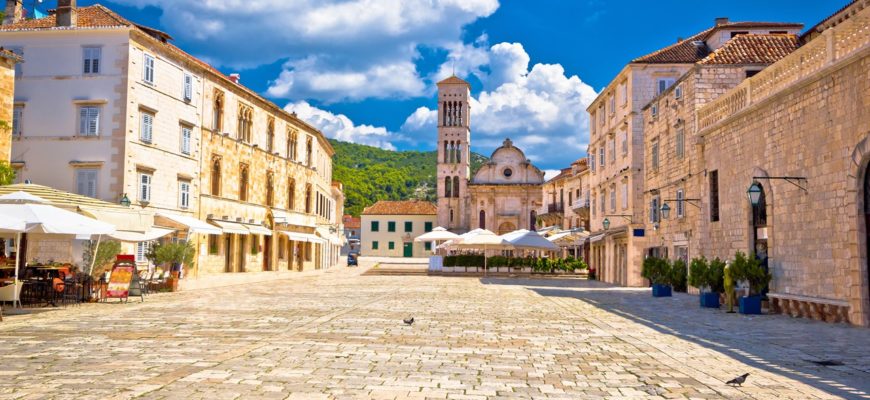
{"points": [[370, 174]]}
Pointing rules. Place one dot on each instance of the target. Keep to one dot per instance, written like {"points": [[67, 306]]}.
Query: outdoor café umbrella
{"points": [[41, 217], [438, 234], [485, 239], [14, 225], [524, 239]]}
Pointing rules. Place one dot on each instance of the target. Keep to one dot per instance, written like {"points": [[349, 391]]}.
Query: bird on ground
{"points": [[408, 321], [738, 380]]}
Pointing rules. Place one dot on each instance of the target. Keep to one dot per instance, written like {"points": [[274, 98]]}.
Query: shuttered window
{"points": [[89, 121], [185, 139], [680, 204], [188, 87], [145, 186], [147, 129], [17, 115], [86, 182], [624, 195], [91, 57], [148, 69], [680, 140], [184, 194]]}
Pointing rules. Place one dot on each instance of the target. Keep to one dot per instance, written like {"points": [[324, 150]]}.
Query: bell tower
{"points": [[454, 144]]}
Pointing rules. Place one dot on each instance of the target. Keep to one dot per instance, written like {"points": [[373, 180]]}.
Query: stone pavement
{"points": [[339, 335]]}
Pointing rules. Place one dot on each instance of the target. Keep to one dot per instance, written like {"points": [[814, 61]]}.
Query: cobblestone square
{"points": [[340, 335]]}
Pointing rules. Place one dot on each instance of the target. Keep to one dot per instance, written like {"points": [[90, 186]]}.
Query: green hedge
{"points": [[537, 264]]}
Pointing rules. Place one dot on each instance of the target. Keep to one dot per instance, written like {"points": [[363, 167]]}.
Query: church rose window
{"points": [[508, 172]]}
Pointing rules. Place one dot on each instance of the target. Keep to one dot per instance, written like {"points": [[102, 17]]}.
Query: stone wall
{"points": [[816, 128], [7, 96]]}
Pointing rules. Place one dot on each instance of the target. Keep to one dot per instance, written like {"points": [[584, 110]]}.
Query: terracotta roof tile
{"points": [[753, 49], [409, 207], [683, 52], [453, 80], [95, 16], [687, 51]]}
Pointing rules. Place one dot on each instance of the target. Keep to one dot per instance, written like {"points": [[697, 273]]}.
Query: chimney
{"points": [[66, 14], [721, 21], [235, 78], [13, 12]]}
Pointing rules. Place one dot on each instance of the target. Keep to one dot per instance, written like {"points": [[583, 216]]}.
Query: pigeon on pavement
{"points": [[408, 321], [738, 380]]}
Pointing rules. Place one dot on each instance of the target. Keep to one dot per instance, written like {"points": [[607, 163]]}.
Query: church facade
{"points": [[502, 196]]}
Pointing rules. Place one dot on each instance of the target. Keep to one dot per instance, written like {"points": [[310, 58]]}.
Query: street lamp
{"points": [[606, 224], [125, 201], [666, 210], [754, 193]]}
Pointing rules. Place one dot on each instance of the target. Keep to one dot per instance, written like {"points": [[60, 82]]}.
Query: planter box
{"points": [[709, 299], [661, 290], [446, 269], [750, 305]]}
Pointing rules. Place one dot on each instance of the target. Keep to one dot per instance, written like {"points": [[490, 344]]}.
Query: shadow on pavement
{"points": [[775, 343]]}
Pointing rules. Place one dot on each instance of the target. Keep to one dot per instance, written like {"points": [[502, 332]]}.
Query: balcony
{"points": [[581, 207], [555, 208]]}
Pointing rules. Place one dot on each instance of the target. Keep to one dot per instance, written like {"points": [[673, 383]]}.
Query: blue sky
{"points": [[364, 70]]}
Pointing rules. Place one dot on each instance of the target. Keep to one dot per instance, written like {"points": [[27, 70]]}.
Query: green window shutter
{"points": [[391, 226], [428, 246], [409, 226], [374, 245], [428, 227], [376, 226], [391, 245]]}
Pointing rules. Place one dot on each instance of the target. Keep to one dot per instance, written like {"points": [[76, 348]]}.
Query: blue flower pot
{"points": [[659, 290], [750, 304], [709, 299]]}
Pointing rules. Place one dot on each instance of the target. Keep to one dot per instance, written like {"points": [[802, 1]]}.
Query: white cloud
{"points": [[339, 126], [550, 174], [368, 46], [542, 110]]}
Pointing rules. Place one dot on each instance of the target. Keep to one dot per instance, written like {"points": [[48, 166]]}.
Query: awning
{"points": [[302, 237], [258, 230], [152, 234], [328, 236], [280, 217], [232, 227], [124, 219], [595, 238], [194, 225]]}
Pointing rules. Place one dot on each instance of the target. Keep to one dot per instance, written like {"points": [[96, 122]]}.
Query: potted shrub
{"points": [[174, 254], [707, 277], [747, 269], [657, 271], [677, 275]]}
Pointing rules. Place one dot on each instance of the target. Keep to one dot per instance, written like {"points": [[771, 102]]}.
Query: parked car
{"points": [[352, 259]]}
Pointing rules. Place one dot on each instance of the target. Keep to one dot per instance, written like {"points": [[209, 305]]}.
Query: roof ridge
{"points": [[672, 46], [111, 13]]}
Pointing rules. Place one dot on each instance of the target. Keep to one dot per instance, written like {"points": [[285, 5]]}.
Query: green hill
{"points": [[370, 174]]}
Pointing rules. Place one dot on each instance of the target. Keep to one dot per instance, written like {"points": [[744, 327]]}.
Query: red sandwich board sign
{"points": [[123, 275]]}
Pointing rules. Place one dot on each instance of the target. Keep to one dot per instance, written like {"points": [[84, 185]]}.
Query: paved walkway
{"points": [[339, 335]]}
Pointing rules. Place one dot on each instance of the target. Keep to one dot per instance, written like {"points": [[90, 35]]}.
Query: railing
{"points": [[554, 208], [834, 44], [580, 203]]}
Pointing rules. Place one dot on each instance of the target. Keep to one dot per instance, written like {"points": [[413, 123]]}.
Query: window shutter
{"points": [[95, 60], [17, 115], [185, 140], [81, 186], [188, 87], [147, 126], [83, 121], [93, 121]]}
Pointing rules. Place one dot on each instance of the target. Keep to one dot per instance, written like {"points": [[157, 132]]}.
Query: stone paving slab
{"points": [[339, 335]]}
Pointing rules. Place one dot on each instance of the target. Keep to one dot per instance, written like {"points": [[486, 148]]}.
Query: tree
{"points": [[105, 254], [7, 173]]}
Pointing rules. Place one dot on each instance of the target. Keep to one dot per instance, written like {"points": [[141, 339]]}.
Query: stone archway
{"points": [[506, 227], [859, 179]]}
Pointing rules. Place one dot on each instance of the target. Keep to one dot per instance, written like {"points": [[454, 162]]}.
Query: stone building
{"points": [[615, 151], [798, 132], [675, 175], [8, 63], [133, 118], [503, 195], [566, 198], [389, 228]]}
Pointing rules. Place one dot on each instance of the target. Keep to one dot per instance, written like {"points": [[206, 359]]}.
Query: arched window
{"points": [[245, 123], [216, 177], [308, 199], [446, 150], [455, 186], [448, 187], [291, 194], [481, 220], [533, 216], [270, 191], [759, 211], [243, 182], [309, 151], [218, 112], [458, 152], [270, 140]]}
